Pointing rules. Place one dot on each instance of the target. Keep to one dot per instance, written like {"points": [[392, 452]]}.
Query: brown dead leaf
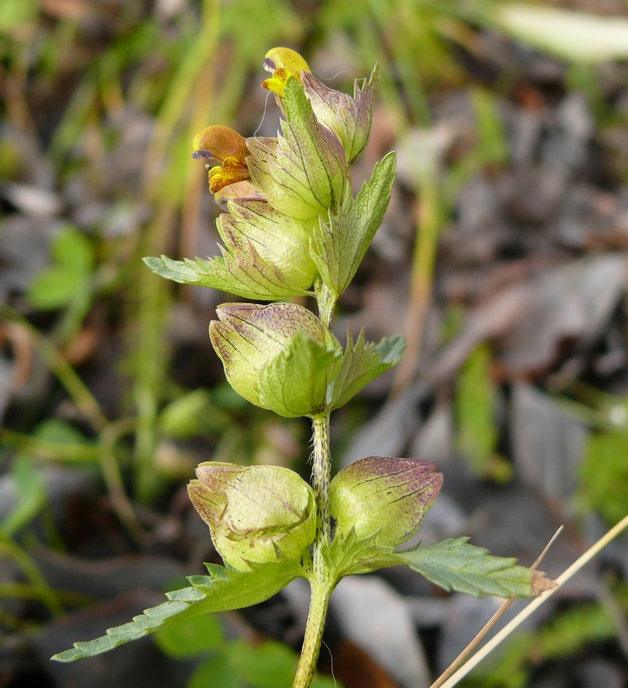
{"points": [[541, 583], [532, 322]]}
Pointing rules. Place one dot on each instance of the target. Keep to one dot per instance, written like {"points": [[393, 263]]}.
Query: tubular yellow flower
{"points": [[228, 148], [283, 63]]}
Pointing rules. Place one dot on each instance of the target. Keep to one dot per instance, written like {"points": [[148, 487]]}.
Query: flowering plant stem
{"points": [[321, 581]]}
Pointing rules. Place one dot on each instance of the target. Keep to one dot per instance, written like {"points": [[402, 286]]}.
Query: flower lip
{"points": [[282, 63]]}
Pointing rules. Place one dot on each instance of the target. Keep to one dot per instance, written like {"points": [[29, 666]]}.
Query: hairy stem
{"points": [[320, 580], [321, 472]]}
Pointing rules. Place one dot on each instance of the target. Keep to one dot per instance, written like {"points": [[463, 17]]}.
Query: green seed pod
{"points": [[249, 336], [388, 497], [254, 513]]}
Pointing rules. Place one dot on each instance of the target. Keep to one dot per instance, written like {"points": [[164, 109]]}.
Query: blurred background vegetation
{"points": [[502, 259]]}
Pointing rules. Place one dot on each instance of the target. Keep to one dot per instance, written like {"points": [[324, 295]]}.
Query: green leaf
{"points": [[31, 495], [349, 555], [362, 362], [223, 589], [216, 672], [191, 636], [54, 288], [338, 247], [294, 383], [603, 476], [248, 276], [271, 665], [475, 414], [455, 565], [192, 414], [68, 278]]}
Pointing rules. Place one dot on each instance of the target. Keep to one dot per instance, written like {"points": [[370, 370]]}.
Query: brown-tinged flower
{"points": [[224, 146]]}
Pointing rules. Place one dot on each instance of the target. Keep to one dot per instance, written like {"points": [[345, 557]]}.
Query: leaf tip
{"points": [[541, 583]]}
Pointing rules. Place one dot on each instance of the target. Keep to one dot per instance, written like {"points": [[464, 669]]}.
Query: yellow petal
{"points": [[219, 143], [229, 172], [283, 63]]}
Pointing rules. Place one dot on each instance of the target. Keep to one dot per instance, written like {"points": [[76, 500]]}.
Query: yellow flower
{"points": [[283, 63], [226, 147]]}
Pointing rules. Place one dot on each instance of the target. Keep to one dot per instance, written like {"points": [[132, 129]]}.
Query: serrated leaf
{"points": [[249, 276], [348, 555], [455, 565], [222, 590], [337, 247], [294, 383], [362, 362]]}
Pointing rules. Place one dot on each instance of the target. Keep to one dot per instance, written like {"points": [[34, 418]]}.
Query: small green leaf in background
{"points": [[216, 672], [60, 432], [492, 143], [603, 484], [233, 664], [17, 17], [191, 637], [574, 36], [455, 565], [67, 279], [475, 413], [192, 414], [31, 495], [270, 665]]}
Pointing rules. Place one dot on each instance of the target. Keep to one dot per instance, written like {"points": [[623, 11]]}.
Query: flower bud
{"points": [[254, 512], [250, 336], [383, 497], [349, 118]]}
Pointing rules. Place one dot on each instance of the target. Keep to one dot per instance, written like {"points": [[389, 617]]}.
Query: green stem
{"points": [[320, 580], [319, 602]]}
